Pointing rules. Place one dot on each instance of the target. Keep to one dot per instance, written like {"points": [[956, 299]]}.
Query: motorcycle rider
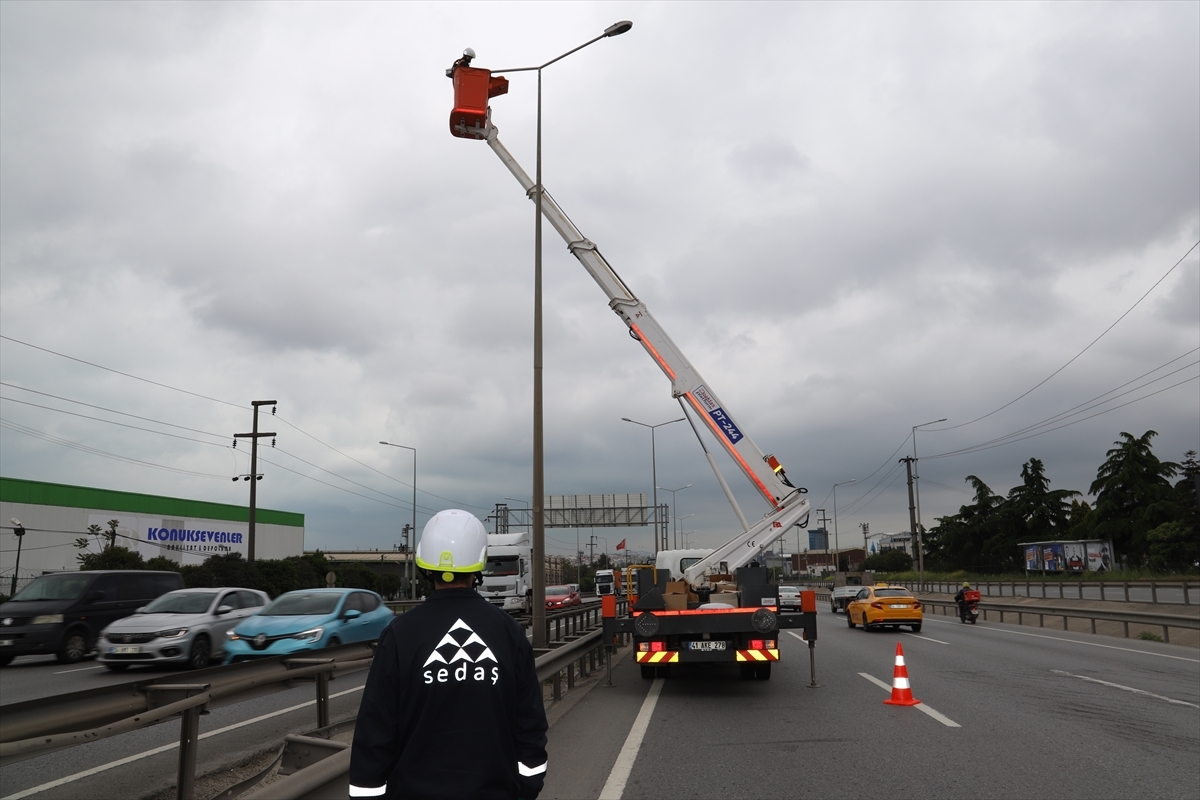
{"points": [[962, 603]]}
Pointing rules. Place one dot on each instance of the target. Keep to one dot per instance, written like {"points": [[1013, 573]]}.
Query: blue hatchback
{"points": [[308, 619]]}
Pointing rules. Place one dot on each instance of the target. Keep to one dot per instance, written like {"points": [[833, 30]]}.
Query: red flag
{"points": [[621, 545]]}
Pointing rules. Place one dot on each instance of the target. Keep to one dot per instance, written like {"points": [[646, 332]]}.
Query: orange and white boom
{"points": [[471, 119]]}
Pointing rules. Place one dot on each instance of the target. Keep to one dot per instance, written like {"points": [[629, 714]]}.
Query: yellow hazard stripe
{"points": [[757, 655], [658, 657]]}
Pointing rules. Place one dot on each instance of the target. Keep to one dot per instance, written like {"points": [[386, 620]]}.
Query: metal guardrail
{"points": [[328, 777], [1109, 590], [37, 727], [1165, 621]]}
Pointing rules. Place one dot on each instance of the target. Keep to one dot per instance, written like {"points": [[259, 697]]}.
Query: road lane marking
{"points": [[1126, 688], [81, 669], [614, 787], [798, 636], [920, 706], [926, 638], [1076, 641], [145, 754]]}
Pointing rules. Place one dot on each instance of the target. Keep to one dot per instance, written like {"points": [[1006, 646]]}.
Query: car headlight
{"points": [[310, 635], [48, 619], [172, 633], [232, 634]]}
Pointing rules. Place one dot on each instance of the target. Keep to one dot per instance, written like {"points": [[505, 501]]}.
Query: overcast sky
{"points": [[853, 218]]}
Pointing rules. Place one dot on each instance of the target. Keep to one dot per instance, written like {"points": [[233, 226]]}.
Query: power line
{"points": [[1081, 352], [1068, 424], [112, 411], [114, 422], [18, 428], [126, 374]]}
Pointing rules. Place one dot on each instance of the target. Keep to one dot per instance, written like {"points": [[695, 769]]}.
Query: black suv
{"points": [[63, 613]]}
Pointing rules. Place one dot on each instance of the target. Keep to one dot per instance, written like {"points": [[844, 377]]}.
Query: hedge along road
{"points": [[1041, 714]]}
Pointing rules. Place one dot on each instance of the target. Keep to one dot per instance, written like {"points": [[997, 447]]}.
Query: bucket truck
{"points": [[721, 606]]}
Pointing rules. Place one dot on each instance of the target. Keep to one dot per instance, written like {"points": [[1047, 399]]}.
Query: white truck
{"points": [[723, 609], [507, 575], [608, 581]]}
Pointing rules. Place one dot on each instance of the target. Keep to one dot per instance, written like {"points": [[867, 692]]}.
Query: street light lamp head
{"points": [[617, 28], [16, 522]]}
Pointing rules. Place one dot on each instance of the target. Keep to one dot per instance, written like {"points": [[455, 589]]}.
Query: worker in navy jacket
{"points": [[452, 707]]}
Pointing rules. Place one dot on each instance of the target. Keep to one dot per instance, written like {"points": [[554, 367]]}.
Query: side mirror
{"points": [[223, 610], [352, 613], [96, 596]]}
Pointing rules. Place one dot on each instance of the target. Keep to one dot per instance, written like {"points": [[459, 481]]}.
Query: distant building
{"points": [[893, 541], [55, 515]]}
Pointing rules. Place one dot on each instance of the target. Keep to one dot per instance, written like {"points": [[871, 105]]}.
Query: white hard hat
{"points": [[453, 541]]}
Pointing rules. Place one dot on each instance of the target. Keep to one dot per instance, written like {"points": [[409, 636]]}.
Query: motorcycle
{"points": [[968, 607]]}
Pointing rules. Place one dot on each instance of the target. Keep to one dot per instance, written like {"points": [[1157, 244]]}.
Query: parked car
{"points": [[558, 597], [63, 613], [186, 626], [789, 598], [877, 606], [308, 619]]}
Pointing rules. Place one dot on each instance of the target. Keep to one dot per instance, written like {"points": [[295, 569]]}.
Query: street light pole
{"points": [[837, 556], [654, 468], [674, 509], [19, 532], [917, 492], [411, 567], [538, 612]]}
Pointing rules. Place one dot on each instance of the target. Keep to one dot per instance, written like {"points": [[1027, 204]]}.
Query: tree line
{"points": [[273, 576], [1152, 522]]}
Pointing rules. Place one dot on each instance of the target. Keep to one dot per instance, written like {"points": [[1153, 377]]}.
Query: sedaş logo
{"points": [[463, 653]]}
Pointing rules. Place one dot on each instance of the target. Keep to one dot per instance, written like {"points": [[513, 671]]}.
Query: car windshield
{"points": [[892, 593], [181, 603], [558, 590], [298, 604], [501, 565], [54, 587]]}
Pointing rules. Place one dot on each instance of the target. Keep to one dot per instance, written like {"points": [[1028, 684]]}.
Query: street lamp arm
{"points": [[616, 29]]}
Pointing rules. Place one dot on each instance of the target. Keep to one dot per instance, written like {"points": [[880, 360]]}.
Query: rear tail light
{"points": [[876, 605], [755, 644], [917, 604], [769, 644], [657, 647]]}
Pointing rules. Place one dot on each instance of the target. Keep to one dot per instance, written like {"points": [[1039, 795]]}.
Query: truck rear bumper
{"points": [[707, 656]]}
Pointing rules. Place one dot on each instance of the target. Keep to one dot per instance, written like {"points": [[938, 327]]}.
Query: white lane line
{"points": [[926, 638], [1126, 688], [139, 756], [798, 636], [81, 669], [1076, 641], [942, 718], [614, 787]]}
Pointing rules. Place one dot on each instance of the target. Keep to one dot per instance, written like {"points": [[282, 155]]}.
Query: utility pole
{"points": [[407, 590], [912, 520], [254, 477]]}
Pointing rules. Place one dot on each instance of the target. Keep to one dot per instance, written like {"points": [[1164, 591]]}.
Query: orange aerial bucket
{"points": [[472, 89]]}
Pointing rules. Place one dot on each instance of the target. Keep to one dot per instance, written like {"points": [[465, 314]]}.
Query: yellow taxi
{"points": [[876, 606]]}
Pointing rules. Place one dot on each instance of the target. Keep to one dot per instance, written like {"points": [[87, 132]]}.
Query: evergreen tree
{"points": [[1133, 496]]}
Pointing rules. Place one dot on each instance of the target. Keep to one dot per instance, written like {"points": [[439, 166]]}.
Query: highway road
{"points": [[1021, 714], [1016, 713]]}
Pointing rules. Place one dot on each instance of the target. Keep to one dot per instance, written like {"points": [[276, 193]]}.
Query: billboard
{"points": [[1052, 557], [186, 541], [1033, 558], [1099, 556], [1075, 556]]}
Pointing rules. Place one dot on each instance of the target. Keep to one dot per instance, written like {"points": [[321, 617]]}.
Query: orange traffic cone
{"points": [[901, 693]]}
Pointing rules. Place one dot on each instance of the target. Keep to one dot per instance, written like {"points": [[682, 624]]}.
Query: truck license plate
{"points": [[706, 645], [6, 642], [125, 650]]}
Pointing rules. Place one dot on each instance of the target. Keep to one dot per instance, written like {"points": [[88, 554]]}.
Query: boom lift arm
{"points": [[471, 119]]}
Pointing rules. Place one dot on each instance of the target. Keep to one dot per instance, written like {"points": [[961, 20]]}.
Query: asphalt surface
{"points": [[1040, 713], [1033, 721]]}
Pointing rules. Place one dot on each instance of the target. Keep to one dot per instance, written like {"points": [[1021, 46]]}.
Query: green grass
{"points": [[1150, 637]]}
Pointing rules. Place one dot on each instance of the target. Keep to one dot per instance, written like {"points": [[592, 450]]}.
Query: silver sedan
{"points": [[186, 626]]}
